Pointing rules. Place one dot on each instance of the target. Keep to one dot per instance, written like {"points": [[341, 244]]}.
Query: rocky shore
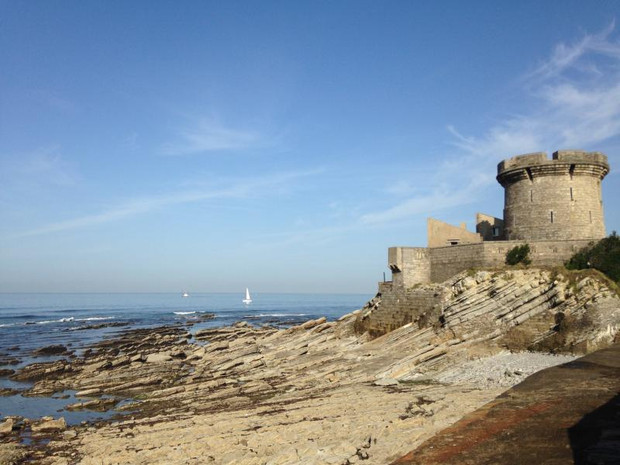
{"points": [[316, 393]]}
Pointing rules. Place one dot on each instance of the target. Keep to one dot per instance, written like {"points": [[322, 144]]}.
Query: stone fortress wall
{"points": [[554, 205], [557, 199]]}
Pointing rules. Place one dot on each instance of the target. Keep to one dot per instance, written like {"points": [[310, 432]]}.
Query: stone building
{"points": [[554, 205]]}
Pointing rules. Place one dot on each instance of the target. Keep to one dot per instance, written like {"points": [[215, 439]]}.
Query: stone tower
{"points": [[557, 199]]}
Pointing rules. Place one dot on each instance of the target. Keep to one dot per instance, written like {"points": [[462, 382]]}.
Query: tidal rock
{"points": [[158, 357], [98, 405], [119, 361], [38, 371], [8, 392], [69, 434], [57, 349], [88, 392], [312, 323], [12, 454], [217, 346], [7, 426], [48, 424]]}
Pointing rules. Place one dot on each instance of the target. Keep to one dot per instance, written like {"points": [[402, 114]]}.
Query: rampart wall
{"points": [[400, 306], [409, 265], [444, 262]]}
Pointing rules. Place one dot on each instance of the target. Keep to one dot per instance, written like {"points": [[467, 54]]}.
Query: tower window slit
{"points": [[571, 171], [531, 195], [571, 194], [529, 174], [552, 217]]}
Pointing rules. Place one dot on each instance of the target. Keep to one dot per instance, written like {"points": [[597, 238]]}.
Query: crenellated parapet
{"points": [[563, 162], [557, 198], [554, 205]]}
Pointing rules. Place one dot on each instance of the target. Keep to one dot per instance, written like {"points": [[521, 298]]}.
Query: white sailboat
{"points": [[248, 299], [185, 294]]}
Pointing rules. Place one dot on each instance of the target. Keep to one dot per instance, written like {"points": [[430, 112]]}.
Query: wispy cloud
{"points": [[575, 103], [570, 110], [302, 237], [45, 165], [54, 100], [209, 135], [442, 198], [576, 56], [240, 189]]}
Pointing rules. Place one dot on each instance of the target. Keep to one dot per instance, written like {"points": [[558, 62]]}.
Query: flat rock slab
{"points": [[566, 414]]}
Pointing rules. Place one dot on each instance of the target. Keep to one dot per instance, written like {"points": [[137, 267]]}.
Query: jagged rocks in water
{"points": [[57, 349]]}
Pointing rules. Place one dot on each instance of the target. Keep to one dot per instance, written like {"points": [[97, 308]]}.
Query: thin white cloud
{"points": [[571, 56], [43, 166], [240, 189], [440, 199], [209, 135], [568, 111], [55, 100], [575, 97]]}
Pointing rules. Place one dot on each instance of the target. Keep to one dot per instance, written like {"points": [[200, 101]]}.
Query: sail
{"points": [[247, 299]]}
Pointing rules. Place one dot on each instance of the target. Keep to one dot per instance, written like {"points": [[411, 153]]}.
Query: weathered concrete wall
{"points": [[557, 199], [441, 234]]}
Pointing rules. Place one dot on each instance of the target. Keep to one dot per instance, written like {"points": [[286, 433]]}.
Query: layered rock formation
{"points": [[320, 392]]}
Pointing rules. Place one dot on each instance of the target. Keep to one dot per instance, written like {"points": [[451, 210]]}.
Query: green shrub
{"points": [[518, 254], [603, 256]]}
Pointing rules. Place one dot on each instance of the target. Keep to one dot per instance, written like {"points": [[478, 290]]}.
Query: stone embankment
{"points": [[318, 393]]}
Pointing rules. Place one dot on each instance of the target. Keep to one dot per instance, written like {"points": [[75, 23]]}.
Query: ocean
{"points": [[32, 321]]}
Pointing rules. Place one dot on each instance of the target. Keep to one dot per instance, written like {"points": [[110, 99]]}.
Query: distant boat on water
{"points": [[185, 294], [248, 299]]}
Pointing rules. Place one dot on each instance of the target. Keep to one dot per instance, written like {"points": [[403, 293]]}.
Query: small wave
{"points": [[95, 318], [61, 320], [70, 319], [263, 315], [184, 313]]}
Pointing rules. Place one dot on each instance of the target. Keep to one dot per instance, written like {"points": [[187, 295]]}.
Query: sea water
{"points": [[76, 321]]}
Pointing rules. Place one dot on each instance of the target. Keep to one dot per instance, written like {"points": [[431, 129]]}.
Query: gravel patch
{"points": [[503, 369]]}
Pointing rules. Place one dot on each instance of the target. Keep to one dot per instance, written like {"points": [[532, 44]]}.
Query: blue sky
{"points": [[284, 146]]}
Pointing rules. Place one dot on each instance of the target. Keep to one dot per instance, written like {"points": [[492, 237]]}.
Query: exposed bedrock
{"points": [[321, 392], [520, 309]]}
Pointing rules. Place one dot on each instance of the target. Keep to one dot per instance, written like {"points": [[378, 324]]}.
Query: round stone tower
{"points": [[557, 199]]}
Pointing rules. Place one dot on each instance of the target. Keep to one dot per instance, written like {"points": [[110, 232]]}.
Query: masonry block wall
{"points": [[409, 265], [448, 261], [400, 306], [553, 199], [441, 263], [554, 205]]}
